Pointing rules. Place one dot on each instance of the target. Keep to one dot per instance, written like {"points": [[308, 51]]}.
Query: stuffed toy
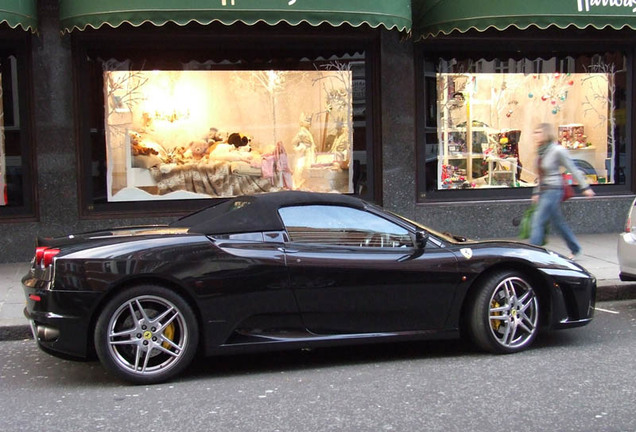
{"points": [[176, 155], [138, 147], [197, 149], [238, 139], [214, 135]]}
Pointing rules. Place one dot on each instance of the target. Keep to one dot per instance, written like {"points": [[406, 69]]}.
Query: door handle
{"points": [[288, 251]]}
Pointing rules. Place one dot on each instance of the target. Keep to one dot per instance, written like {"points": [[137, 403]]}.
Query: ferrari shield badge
{"points": [[467, 252]]}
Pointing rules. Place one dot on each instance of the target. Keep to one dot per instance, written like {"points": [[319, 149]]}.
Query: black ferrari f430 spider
{"points": [[289, 270]]}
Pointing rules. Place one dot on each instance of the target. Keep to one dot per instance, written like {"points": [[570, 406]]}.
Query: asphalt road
{"points": [[575, 380]]}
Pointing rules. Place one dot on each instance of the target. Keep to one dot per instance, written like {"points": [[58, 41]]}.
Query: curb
{"points": [[15, 332], [608, 291], [616, 290]]}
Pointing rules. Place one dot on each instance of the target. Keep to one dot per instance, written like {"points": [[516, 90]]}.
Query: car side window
{"points": [[342, 226]]}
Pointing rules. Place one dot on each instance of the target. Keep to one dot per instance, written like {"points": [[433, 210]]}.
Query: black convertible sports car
{"points": [[289, 270]]}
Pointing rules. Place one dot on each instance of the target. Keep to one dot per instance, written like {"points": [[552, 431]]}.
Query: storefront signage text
{"points": [[233, 2], [586, 5]]}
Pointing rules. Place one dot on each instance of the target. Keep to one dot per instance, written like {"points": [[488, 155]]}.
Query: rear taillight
{"points": [[39, 253], [628, 224], [44, 256]]}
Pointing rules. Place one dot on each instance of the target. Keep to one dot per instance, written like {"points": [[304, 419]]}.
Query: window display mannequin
{"points": [[305, 148]]}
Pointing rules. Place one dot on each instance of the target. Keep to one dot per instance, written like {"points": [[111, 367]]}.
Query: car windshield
{"points": [[419, 227]]}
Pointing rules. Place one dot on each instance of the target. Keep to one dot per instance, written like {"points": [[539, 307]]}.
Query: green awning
{"points": [[434, 17], [22, 13], [80, 14]]}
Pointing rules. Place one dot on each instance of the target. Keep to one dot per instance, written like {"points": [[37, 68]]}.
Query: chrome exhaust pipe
{"points": [[47, 334]]}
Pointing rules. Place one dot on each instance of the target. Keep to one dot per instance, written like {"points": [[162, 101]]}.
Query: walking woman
{"points": [[549, 193]]}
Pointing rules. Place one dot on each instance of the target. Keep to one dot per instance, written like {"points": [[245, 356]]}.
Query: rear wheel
{"points": [[146, 334], [504, 315]]}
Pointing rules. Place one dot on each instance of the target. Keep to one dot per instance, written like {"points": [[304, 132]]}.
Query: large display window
{"points": [[10, 164], [171, 127], [220, 133], [16, 191], [483, 113]]}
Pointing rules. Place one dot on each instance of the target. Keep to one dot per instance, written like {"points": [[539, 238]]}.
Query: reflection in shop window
{"points": [[3, 164], [485, 120], [202, 133], [11, 169]]}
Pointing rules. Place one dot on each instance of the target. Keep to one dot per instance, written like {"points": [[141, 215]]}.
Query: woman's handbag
{"points": [[568, 189]]}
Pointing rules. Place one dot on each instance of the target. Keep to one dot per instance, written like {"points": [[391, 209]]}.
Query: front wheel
{"points": [[146, 334], [504, 314]]}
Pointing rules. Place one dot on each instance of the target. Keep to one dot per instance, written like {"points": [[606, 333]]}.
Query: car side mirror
{"points": [[421, 237]]}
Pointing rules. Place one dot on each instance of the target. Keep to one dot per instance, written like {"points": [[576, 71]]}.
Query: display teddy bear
{"points": [[138, 147], [197, 149]]}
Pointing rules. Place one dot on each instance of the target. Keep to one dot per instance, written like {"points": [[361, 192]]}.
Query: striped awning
{"points": [[435, 17], [19, 13], [81, 14]]}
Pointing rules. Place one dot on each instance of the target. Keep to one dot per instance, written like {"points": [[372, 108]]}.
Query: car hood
{"points": [[495, 250]]}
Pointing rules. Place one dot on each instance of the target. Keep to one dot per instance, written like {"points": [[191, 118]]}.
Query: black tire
{"points": [[146, 334], [503, 317]]}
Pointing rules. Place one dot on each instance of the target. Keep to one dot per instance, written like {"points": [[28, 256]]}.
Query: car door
{"points": [[246, 286], [354, 271]]}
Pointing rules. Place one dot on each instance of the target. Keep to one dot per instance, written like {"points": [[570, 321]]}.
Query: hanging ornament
{"points": [[530, 95], [554, 111], [545, 98]]}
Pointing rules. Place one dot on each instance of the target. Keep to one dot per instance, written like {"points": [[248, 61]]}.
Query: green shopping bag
{"points": [[525, 227]]}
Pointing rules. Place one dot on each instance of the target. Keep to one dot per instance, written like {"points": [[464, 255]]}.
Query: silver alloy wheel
{"points": [[147, 335], [513, 313]]}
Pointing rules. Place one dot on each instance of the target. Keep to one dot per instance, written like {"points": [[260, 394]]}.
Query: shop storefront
{"points": [[488, 73], [122, 113], [154, 109], [223, 99]]}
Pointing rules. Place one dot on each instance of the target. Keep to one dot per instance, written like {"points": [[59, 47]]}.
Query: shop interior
{"points": [[218, 133], [485, 123]]}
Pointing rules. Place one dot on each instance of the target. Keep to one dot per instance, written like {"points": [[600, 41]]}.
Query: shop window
{"points": [[209, 126], [484, 117], [16, 192]]}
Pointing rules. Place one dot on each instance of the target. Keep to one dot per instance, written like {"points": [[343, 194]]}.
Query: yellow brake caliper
{"points": [[168, 333], [495, 323]]}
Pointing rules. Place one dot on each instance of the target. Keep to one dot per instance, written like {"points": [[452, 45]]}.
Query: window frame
{"points": [[407, 232], [19, 42], [240, 37], [528, 44]]}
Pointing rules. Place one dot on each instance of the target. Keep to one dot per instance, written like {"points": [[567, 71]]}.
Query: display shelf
{"points": [[462, 134], [502, 166]]}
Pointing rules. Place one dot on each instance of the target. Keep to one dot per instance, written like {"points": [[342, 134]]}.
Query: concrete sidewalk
{"points": [[598, 257]]}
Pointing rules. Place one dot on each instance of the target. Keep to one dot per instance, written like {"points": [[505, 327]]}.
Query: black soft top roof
{"points": [[255, 213]]}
